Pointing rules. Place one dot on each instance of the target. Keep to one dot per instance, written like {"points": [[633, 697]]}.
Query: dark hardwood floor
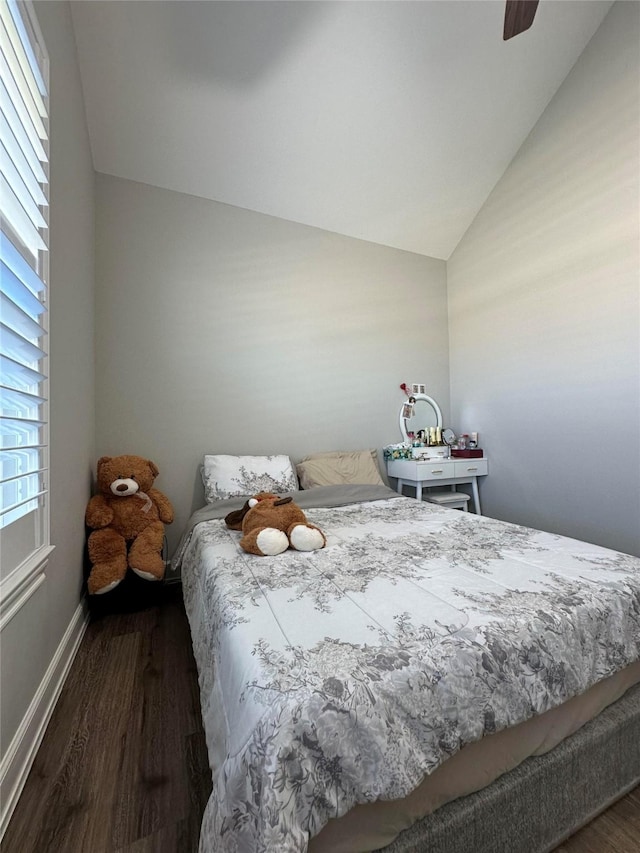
{"points": [[123, 765]]}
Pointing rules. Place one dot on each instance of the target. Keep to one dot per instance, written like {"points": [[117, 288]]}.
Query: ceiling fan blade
{"points": [[518, 17]]}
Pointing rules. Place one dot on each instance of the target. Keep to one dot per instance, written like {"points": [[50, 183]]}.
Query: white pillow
{"points": [[236, 476]]}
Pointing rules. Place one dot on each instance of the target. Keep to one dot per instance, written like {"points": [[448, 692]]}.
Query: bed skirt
{"points": [[545, 799]]}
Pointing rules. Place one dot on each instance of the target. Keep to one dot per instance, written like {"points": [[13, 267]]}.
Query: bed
{"points": [[357, 696]]}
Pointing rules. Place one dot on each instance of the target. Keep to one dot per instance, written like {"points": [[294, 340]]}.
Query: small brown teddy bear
{"points": [[129, 516], [271, 524]]}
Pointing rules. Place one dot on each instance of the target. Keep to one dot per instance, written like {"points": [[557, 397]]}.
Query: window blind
{"points": [[24, 199]]}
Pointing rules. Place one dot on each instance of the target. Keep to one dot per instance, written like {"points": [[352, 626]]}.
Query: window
{"points": [[24, 199]]}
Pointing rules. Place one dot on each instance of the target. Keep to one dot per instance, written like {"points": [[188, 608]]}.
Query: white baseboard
{"points": [[20, 755]]}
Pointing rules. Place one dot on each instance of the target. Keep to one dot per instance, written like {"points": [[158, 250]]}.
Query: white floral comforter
{"points": [[345, 675]]}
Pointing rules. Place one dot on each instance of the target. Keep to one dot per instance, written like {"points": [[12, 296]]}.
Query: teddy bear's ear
{"points": [[153, 467], [234, 519], [103, 461]]}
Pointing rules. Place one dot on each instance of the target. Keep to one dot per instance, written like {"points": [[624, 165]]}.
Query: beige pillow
{"points": [[339, 466]]}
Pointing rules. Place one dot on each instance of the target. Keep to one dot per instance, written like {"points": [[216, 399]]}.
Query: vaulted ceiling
{"points": [[386, 121]]}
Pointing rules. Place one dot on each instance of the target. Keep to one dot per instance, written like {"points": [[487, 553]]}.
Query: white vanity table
{"points": [[423, 413], [438, 472]]}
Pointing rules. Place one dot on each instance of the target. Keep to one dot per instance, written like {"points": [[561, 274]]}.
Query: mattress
{"points": [[348, 675]]}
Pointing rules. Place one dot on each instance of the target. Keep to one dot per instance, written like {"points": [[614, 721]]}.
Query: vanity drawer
{"points": [[439, 470], [470, 467]]}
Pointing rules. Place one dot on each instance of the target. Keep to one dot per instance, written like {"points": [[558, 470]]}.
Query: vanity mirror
{"points": [[426, 413], [448, 436]]}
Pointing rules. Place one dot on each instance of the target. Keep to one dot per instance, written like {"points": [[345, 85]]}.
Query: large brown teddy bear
{"points": [[129, 516], [271, 524]]}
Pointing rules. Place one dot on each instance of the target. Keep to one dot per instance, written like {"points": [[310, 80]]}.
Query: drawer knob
{"points": [[437, 471]]}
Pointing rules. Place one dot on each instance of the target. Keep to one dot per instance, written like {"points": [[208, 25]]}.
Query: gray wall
{"points": [[32, 637], [72, 306], [221, 330], [544, 309]]}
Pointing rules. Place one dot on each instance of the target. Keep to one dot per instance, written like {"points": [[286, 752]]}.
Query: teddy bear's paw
{"points": [[105, 574], [148, 566], [271, 541], [147, 576], [306, 538], [104, 589]]}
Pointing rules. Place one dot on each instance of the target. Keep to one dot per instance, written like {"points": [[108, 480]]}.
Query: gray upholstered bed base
{"points": [[537, 805]]}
